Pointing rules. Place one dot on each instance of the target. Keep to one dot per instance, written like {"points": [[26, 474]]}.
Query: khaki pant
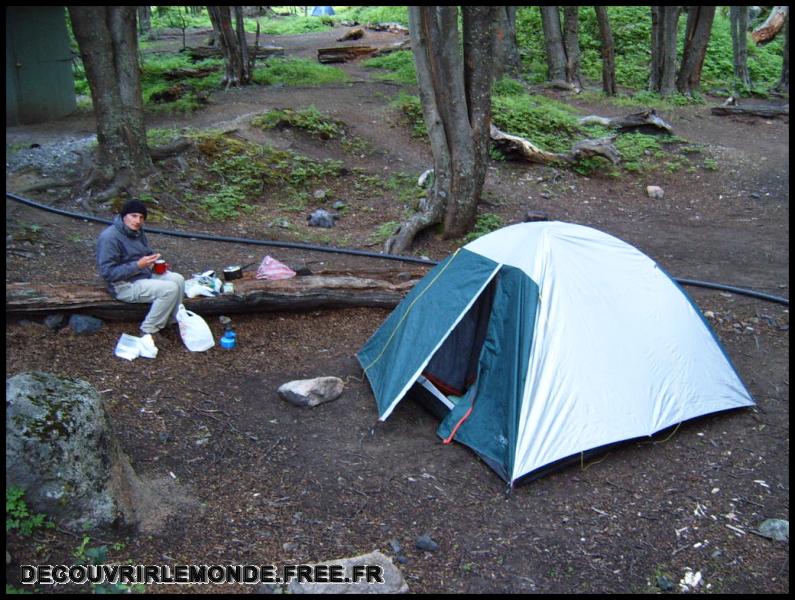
{"points": [[165, 292]]}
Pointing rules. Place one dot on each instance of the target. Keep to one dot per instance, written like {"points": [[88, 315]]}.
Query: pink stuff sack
{"points": [[272, 269]]}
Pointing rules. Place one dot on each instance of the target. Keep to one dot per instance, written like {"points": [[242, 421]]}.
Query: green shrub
{"points": [[485, 223], [18, 515]]}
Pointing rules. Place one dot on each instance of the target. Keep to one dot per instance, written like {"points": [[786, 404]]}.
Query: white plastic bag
{"points": [[194, 330]]}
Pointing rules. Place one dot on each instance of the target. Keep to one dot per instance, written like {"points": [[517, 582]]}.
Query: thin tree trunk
{"points": [[608, 51], [553, 38], [506, 50], [739, 28], [108, 45], [663, 64], [221, 18], [571, 44], [245, 76], [455, 91], [144, 19], [699, 27], [783, 83]]}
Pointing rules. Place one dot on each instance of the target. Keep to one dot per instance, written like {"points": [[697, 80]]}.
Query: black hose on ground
{"points": [[352, 251]]}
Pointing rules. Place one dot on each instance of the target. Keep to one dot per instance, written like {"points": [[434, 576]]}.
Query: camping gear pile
{"points": [[542, 341]]}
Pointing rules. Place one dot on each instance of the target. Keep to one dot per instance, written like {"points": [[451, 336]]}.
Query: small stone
{"points": [[653, 191], [709, 314], [338, 205], [424, 542], [311, 392], [755, 196], [776, 529], [55, 321], [321, 218], [665, 584], [319, 194], [83, 324], [289, 546]]}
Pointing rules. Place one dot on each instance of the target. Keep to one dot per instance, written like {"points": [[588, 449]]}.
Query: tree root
{"points": [[401, 241]]}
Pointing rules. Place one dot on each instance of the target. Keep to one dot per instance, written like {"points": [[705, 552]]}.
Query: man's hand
{"points": [[147, 261]]}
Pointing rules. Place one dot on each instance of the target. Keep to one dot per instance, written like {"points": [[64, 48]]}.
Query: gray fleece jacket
{"points": [[118, 251]]}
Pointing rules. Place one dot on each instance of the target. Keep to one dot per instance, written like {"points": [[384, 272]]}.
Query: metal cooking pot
{"points": [[234, 272]]}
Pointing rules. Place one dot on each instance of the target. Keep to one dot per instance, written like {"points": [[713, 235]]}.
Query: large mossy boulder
{"points": [[61, 450]]}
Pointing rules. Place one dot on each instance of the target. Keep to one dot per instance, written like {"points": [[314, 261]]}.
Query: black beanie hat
{"points": [[133, 206]]}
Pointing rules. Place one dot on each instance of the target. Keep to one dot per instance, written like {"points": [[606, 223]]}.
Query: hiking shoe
{"points": [[147, 346]]}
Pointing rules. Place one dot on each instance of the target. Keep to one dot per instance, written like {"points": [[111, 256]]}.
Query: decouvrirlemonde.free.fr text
{"points": [[193, 574]]}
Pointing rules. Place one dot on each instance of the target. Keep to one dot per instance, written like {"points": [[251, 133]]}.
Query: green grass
{"points": [[485, 223], [293, 25], [240, 173], [399, 66], [374, 14], [297, 72], [309, 119]]}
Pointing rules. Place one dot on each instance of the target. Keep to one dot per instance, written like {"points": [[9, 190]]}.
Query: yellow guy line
{"points": [[408, 310]]}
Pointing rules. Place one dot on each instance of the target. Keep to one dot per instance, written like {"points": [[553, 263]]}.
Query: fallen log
{"points": [[343, 54], [251, 295], [643, 121], [203, 52], [514, 145], [768, 30], [396, 47], [768, 111], [390, 27]]}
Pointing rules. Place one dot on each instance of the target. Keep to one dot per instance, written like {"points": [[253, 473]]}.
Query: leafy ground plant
{"points": [[19, 517]]}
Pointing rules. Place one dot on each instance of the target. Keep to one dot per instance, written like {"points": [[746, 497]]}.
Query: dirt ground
{"points": [[280, 484]]}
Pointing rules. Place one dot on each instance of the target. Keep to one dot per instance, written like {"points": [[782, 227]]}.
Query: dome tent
{"points": [[542, 341], [320, 11]]}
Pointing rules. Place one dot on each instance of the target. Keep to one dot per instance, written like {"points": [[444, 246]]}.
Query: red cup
{"points": [[161, 266]]}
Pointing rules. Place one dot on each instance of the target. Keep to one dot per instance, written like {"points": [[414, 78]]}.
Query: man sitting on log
{"points": [[126, 261]]}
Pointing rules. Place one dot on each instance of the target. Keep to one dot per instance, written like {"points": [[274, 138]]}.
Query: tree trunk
{"points": [[221, 18], [608, 51], [455, 91], [783, 83], [664, 22], [506, 50], [571, 44], [245, 76], [144, 19], [739, 28], [108, 45], [699, 27], [553, 38]]}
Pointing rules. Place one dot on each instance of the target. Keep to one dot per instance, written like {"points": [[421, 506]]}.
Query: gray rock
{"points": [[665, 584], [62, 452], [55, 321], [83, 324], [776, 529], [424, 542], [390, 578], [653, 191], [311, 392], [319, 194], [338, 205], [321, 218]]}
